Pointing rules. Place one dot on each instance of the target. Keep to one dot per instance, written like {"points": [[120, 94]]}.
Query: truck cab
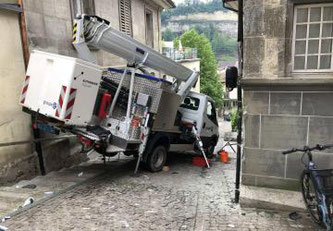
{"points": [[201, 109]]}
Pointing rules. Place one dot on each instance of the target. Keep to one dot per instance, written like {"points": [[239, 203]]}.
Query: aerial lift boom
{"points": [[97, 32]]}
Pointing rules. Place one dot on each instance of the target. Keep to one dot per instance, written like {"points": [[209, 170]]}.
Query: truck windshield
{"points": [[191, 103]]}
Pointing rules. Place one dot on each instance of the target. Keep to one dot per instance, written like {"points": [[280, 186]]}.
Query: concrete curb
{"points": [[271, 199]]}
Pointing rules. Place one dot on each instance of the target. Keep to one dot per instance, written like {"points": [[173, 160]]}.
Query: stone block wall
{"points": [[278, 120], [282, 109]]}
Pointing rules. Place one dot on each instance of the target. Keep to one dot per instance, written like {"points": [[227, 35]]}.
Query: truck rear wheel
{"points": [[157, 158]]}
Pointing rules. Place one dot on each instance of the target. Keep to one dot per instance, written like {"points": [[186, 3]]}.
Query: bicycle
{"points": [[317, 187]]}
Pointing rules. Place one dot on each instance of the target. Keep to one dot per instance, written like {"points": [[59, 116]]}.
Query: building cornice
{"points": [[287, 84], [165, 4]]}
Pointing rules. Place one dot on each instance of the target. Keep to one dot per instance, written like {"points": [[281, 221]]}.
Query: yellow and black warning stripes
{"points": [[74, 32]]}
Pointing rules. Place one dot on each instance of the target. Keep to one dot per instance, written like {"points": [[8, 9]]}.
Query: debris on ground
{"points": [[48, 193], [5, 218], [295, 216], [124, 224], [3, 228], [165, 168], [30, 186], [80, 174], [28, 201]]}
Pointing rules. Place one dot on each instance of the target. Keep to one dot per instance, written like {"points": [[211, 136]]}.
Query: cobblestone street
{"points": [[184, 198]]}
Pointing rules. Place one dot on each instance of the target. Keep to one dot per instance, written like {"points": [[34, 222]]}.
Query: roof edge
{"points": [[165, 4]]}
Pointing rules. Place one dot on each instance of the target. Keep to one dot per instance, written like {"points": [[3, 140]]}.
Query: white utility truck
{"points": [[120, 110]]}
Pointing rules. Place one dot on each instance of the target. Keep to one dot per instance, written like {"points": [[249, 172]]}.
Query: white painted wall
{"points": [[14, 124], [193, 64]]}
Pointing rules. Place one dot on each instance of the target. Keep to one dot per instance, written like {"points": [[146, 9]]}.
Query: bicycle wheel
{"points": [[330, 211], [310, 198]]}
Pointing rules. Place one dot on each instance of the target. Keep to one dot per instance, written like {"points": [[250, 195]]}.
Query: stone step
{"points": [[272, 199]]}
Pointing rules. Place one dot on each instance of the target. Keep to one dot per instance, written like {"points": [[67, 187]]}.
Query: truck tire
{"points": [[156, 159]]}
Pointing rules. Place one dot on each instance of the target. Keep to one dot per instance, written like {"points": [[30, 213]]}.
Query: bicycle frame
{"points": [[310, 169]]}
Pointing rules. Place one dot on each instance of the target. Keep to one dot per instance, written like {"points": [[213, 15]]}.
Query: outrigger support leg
{"points": [[144, 138], [199, 143], [137, 164]]}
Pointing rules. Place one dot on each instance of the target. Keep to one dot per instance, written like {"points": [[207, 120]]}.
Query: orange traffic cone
{"points": [[224, 156]]}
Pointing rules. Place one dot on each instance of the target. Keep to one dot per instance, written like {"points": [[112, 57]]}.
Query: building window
{"points": [[312, 38], [82, 7], [125, 17], [149, 28]]}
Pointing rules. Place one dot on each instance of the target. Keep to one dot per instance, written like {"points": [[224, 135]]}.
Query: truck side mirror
{"points": [[231, 76]]}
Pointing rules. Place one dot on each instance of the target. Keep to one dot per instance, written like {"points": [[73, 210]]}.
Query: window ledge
{"points": [[289, 83]]}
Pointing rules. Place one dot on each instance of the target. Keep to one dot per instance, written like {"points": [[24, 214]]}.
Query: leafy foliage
{"points": [[223, 44], [176, 43], [168, 35], [233, 118], [209, 80]]}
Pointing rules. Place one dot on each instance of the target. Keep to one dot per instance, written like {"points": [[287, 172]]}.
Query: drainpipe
{"points": [[26, 54], [239, 99]]}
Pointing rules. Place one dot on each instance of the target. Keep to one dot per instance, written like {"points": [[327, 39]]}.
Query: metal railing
{"points": [[180, 54]]}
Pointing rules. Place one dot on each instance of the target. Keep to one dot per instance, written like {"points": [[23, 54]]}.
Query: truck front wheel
{"points": [[157, 158], [209, 149]]}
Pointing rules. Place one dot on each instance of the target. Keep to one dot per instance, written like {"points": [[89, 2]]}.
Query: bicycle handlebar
{"points": [[306, 148], [289, 151]]}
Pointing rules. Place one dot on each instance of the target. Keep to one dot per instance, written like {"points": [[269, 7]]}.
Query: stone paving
{"points": [[184, 198]]}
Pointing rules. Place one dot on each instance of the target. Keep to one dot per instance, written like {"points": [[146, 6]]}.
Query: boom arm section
{"points": [[98, 33]]}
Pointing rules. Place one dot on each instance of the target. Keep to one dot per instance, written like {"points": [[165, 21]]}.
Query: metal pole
{"points": [[25, 48], [115, 98], [11, 143], [131, 87], [239, 99], [38, 147]]}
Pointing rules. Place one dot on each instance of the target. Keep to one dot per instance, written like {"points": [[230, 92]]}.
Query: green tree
{"points": [[209, 79], [168, 35], [224, 44], [176, 42]]}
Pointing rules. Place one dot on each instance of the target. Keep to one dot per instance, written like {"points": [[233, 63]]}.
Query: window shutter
{"points": [[125, 16]]}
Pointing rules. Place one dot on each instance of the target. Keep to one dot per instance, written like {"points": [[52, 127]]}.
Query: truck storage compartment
{"points": [[61, 87]]}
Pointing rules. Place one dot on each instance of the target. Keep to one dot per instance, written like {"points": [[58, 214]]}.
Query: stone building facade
{"points": [[49, 28], [49, 23], [288, 88]]}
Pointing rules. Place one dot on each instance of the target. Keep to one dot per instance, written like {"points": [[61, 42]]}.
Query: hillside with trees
{"points": [[209, 19], [188, 8]]}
